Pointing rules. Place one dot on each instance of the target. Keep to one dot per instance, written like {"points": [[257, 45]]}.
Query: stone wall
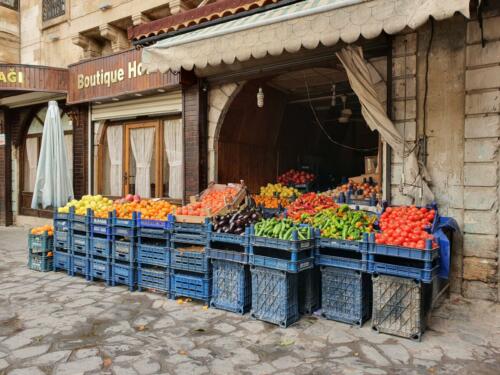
{"points": [[9, 36], [481, 159]]}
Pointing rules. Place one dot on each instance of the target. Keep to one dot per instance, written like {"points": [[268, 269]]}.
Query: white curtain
{"points": [[174, 147], [114, 135], [414, 177], [32, 156], [142, 141], [53, 184], [68, 140]]}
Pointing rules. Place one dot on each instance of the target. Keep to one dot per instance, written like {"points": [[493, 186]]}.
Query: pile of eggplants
{"points": [[236, 222]]}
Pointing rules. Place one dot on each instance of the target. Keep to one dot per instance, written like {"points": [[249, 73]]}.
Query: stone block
{"points": [[480, 269], [409, 128], [480, 290], [398, 88], [400, 113], [482, 78], [480, 245], [454, 196], [402, 66], [481, 222], [480, 198], [480, 174], [217, 99], [229, 88], [482, 127], [476, 55], [481, 150], [491, 30], [484, 102]]}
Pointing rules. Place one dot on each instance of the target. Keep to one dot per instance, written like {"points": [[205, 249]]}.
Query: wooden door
{"points": [[156, 162]]}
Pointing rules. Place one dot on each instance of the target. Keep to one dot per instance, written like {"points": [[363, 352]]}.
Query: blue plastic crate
{"points": [[426, 274], [100, 269], [61, 225], [124, 250], [40, 243], [309, 290], [228, 255], [289, 261], [236, 239], [62, 260], [185, 259], [79, 227], [152, 224], [232, 290], [154, 233], [80, 265], [178, 227], [41, 263], [274, 296], [100, 247], [342, 262], [102, 230], [124, 274], [358, 246], [400, 306], [428, 254], [124, 231], [153, 255], [189, 238], [346, 295], [289, 245], [80, 244], [156, 279], [59, 216], [190, 285], [129, 223], [102, 221], [61, 239]]}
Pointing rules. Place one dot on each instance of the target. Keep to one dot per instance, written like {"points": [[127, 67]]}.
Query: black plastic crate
{"points": [[345, 295], [400, 306], [231, 289], [309, 290], [274, 296], [156, 279]]}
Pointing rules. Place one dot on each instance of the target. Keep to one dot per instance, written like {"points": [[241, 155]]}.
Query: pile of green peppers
{"points": [[282, 229], [342, 223]]}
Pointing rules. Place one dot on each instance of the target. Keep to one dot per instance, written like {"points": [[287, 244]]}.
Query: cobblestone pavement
{"points": [[51, 323]]}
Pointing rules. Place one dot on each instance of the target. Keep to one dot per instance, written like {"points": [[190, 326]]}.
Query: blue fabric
{"points": [[444, 243]]}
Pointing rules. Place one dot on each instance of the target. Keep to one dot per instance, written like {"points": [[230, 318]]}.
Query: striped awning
{"points": [[290, 28]]}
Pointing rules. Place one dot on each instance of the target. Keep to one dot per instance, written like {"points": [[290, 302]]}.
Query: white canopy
{"points": [[305, 24], [53, 185]]}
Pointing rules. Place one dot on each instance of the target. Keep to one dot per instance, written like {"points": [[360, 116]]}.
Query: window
{"points": [[52, 9], [13, 4]]}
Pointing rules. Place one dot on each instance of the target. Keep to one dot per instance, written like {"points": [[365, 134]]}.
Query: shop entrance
{"points": [[310, 119]]}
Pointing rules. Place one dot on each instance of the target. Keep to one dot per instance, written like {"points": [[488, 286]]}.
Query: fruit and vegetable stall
{"points": [[229, 248]]}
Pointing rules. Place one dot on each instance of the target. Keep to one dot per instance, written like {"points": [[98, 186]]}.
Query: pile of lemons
{"points": [[94, 202], [279, 190]]}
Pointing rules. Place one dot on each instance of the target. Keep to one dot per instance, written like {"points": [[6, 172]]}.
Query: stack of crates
{"points": [[40, 252], [231, 287], [345, 284], [101, 240], [124, 251], [153, 255], [61, 253], [191, 274], [79, 238], [275, 267]]}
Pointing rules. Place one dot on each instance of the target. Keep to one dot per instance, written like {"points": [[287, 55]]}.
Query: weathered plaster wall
{"points": [[9, 36]]}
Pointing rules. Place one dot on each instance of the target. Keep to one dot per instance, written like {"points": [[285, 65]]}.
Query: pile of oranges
{"points": [[270, 202], [149, 209], [210, 203], [41, 230]]}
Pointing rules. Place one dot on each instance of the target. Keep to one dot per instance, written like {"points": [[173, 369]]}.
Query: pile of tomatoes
{"points": [[406, 226], [210, 203]]}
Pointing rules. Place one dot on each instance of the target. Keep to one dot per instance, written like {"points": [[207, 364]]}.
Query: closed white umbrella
{"points": [[53, 185]]}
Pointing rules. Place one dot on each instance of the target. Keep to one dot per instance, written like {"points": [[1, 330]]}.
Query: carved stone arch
{"points": [[220, 98]]}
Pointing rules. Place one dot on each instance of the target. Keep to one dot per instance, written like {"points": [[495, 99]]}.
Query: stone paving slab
{"points": [[51, 323]]}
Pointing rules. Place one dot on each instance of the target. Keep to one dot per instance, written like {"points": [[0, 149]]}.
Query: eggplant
{"points": [[238, 230], [225, 229]]}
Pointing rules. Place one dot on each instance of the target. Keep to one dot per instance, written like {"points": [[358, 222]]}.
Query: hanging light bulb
{"points": [[334, 95], [344, 114], [260, 98]]}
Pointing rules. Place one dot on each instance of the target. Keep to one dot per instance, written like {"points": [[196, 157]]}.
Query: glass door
{"points": [[143, 150]]}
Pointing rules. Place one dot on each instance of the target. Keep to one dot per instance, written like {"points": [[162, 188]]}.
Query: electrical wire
{"points": [[318, 122]]}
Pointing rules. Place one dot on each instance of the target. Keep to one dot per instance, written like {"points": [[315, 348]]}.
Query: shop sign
{"points": [[113, 76], [33, 78]]}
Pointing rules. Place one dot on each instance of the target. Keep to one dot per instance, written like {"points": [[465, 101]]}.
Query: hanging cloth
{"points": [[32, 156], [142, 141], [172, 131], [53, 182], [114, 135], [415, 177], [68, 140]]}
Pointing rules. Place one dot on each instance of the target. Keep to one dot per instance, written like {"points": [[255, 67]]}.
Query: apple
{"points": [[129, 198]]}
